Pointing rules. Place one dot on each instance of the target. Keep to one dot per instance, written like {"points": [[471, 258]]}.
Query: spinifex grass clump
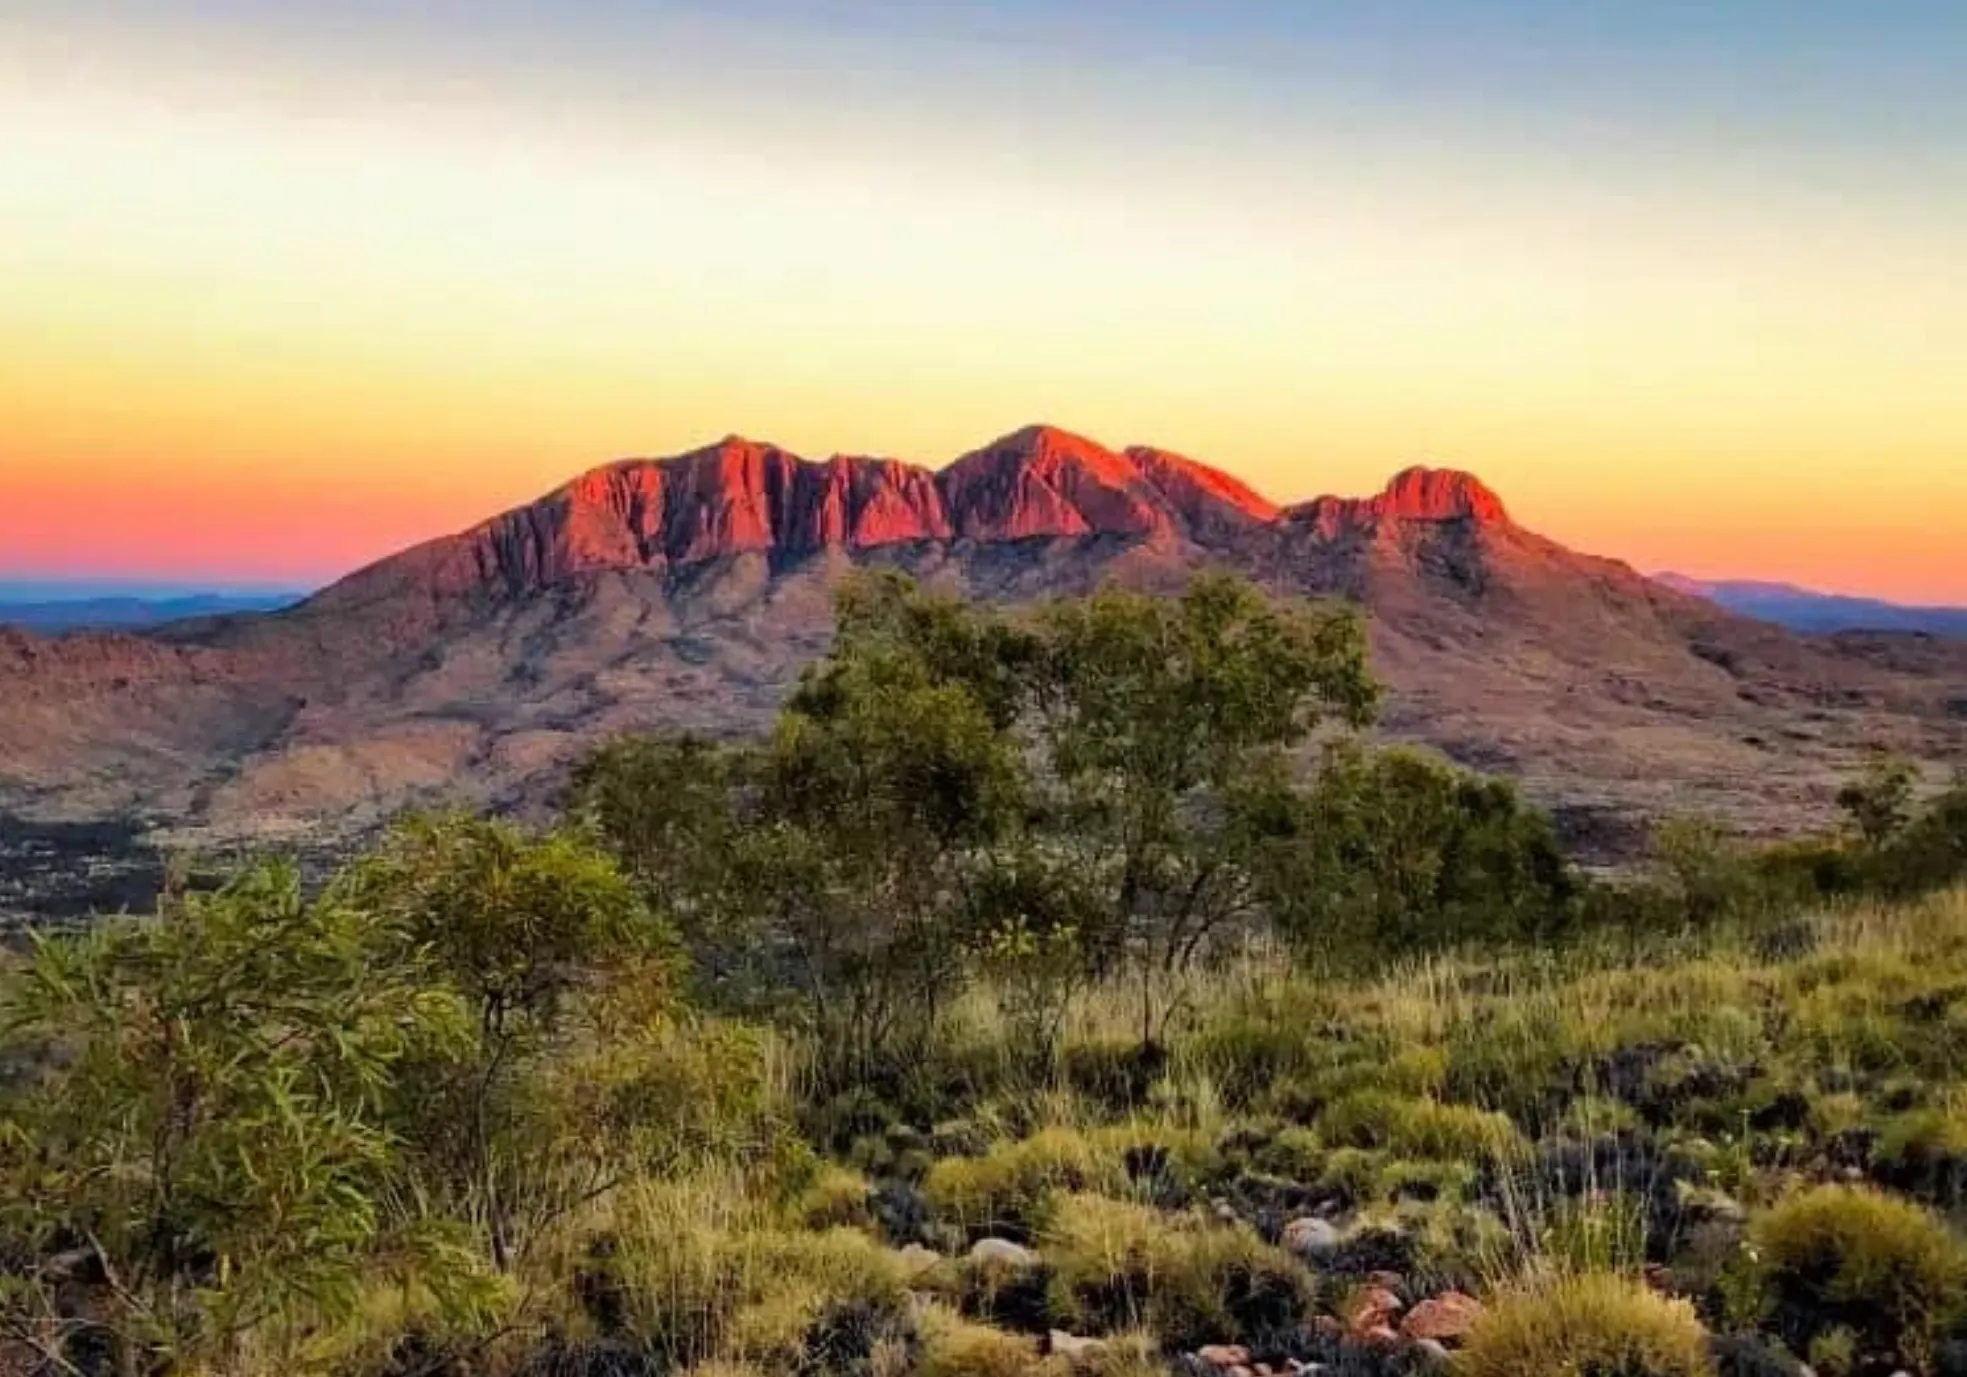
{"points": [[1884, 1270], [1593, 1324]]}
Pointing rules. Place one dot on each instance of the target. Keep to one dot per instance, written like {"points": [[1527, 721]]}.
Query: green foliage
{"points": [[1397, 851], [1591, 1325], [951, 791], [1116, 1265], [1167, 725], [521, 925], [517, 922], [842, 859], [1707, 872], [1880, 803], [205, 1126], [1853, 1258], [1416, 1127], [1929, 852]]}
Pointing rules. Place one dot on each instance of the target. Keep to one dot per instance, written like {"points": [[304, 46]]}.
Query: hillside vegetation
{"points": [[1020, 1004]]}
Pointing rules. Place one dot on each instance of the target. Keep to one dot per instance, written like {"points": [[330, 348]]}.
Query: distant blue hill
{"points": [[1804, 609], [69, 610]]}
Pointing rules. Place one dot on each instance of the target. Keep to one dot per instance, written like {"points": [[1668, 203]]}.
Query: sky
{"points": [[287, 285]]}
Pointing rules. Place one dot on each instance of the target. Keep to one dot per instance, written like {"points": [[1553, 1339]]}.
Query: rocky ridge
{"points": [[689, 592]]}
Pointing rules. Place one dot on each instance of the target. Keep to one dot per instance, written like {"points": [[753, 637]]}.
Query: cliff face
{"points": [[740, 497]]}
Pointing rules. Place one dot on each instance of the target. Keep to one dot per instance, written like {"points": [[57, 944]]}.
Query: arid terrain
{"points": [[689, 592]]}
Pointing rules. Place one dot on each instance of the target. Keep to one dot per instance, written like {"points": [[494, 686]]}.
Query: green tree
{"points": [[1053, 796], [201, 1147], [1167, 725], [1880, 803], [827, 874], [1396, 850], [524, 927], [1930, 851]]}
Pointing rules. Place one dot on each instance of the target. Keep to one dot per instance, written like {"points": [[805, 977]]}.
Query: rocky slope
{"points": [[689, 592]]}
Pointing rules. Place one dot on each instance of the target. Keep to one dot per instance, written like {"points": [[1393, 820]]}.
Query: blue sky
{"points": [[390, 266]]}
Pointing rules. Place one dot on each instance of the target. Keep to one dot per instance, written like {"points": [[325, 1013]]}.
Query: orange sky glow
{"points": [[257, 330]]}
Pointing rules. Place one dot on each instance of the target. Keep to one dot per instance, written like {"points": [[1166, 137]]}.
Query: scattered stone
{"points": [[1072, 1347], [1371, 1305], [1370, 1310], [1002, 1253], [1433, 1354], [1311, 1238], [1226, 1357], [1444, 1319]]}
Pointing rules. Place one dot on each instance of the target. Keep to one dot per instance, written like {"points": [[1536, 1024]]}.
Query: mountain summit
{"points": [[689, 592], [740, 497]]}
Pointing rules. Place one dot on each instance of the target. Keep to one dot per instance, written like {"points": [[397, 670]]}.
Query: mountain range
{"points": [[130, 609], [689, 591], [1807, 609]]}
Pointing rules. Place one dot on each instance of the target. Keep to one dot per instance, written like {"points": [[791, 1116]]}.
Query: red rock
{"points": [[741, 497], [1202, 496], [1042, 481], [1412, 495], [1423, 494], [1445, 1318], [1369, 1309]]}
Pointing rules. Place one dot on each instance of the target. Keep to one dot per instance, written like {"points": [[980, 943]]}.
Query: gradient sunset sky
{"points": [[286, 285]]}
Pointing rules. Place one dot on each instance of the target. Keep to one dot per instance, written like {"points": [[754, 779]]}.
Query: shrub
{"points": [[1418, 1127], [836, 1198], [1117, 1265], [1001, 1192], [205, 1100], [1850, 1257], [1592, 1323], [694, 1272], [955, 1347], [1924, 1152], [1399, 851]]}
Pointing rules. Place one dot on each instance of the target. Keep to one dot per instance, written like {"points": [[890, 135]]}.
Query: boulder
{"points": [[1311, 1238], [1370, 1312], [1002, 1254], [1444, 1319]]}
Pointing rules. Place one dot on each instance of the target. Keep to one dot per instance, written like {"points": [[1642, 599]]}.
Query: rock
{"points": [[1002, 1253], [1369, 1310], [1225, 1357], [1072, 1347], [1311, 1238], [1443, 1319], [1432, 1354]]}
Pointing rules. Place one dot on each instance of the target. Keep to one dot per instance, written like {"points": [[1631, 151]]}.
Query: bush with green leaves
{"points": [[1852, 1258], [203, 1147], [535, 933], [1396, 851], [1056, 797]]}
